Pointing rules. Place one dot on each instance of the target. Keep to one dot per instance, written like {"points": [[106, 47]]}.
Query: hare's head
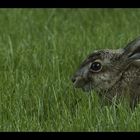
{"points": [[103, 68]]}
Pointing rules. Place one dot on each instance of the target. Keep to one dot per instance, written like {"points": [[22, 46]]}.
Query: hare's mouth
{"points": [[87, 87], [80, 82]]}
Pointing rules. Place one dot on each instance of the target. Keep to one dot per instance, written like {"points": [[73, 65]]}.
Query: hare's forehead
{"points": [[108, 53], [105, 55]]}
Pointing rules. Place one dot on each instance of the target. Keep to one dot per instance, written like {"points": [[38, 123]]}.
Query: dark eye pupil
{"points": [[96, 66]]}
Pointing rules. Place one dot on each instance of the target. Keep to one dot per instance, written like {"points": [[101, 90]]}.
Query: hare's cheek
{"points": [[101, 81], [106, 80]]}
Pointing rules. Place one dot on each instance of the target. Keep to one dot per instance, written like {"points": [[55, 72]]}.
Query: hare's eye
{"points": [[96, 67]]}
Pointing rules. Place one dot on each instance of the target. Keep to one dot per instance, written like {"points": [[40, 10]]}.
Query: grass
{"points": [[40, 49]]}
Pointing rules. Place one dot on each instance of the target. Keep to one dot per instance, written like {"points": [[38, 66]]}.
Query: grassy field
{"points": [[40, 49]]}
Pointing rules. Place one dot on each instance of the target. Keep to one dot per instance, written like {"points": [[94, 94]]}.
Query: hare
{"points": [[112, 73]]}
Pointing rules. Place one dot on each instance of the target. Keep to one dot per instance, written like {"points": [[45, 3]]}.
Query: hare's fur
{"points": [[120, 74]]}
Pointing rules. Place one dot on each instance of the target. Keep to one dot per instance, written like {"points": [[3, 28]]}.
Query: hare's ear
{"points": [[130, 54], [132, 51]]}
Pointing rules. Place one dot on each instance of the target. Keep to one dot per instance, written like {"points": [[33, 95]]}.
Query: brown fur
{"points": [[119, 76]]}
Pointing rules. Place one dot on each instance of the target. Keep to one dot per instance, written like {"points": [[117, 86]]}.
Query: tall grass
{"points": [[40, 49]]}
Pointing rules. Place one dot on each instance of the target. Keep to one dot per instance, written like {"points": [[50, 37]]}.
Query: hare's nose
{"points": [[73, 79]]}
